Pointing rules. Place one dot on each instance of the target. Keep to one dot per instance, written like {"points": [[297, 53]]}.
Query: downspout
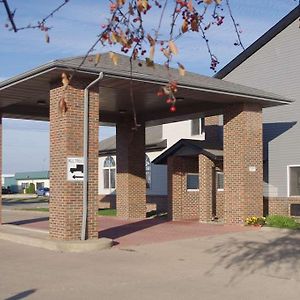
{"points": [[86, 156]]}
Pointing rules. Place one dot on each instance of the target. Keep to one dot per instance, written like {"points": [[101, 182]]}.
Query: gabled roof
{"points": [[154, 141], [32, 175], [258, 44], [187, 147]]}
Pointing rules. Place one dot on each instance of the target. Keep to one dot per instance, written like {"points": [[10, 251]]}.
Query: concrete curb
{"points": [[40, 239]]}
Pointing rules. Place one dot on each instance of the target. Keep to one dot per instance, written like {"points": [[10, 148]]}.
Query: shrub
{"points": [[30, 189], [256, 221], [282, 222]]}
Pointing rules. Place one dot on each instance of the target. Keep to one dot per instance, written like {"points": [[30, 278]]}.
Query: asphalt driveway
{"points": [[244, 265]]}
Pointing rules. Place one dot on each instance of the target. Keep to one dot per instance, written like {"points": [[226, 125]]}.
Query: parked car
{"points": [[6, 190], [43, 192]]}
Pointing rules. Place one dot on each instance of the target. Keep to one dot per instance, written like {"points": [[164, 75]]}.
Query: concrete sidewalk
{"points": [[247, 265]]}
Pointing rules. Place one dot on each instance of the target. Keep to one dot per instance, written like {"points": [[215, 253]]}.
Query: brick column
{"points": [[243, 162], [66, 140], [0, 169], [131, 180], [175, 176], [206, 169]]}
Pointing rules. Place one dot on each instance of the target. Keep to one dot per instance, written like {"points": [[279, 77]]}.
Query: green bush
{"points": [[30, 189], [282, 222]]}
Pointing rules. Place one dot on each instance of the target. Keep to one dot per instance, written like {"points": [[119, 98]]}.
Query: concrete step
{"points": [[40, 239]]}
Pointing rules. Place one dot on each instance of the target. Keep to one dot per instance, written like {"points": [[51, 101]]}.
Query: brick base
{"points": [[279, 205]]}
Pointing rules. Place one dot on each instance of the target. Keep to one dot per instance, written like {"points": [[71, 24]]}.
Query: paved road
{"points": [[248, 265]]}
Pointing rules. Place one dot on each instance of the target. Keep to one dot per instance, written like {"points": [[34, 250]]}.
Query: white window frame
{"points": [[218, 189], [110, 189], [288, 180], [150, 171], [201, 124], [192, 190]]}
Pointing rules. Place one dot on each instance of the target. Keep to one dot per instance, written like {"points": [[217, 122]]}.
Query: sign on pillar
{"points": [[75, 168]]}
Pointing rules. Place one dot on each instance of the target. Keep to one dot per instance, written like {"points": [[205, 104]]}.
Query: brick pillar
{"points": [[243, 162], [206, 170], [66, 140], [131, 180], [0, 169], [175, 176]]}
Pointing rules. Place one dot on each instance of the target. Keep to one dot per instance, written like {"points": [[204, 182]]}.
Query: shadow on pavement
{"points": [[21, 295], [122, 230], [29, 221], [278, 257]]}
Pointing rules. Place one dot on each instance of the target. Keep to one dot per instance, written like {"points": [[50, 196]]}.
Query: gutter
{"points": [[86, 157]]}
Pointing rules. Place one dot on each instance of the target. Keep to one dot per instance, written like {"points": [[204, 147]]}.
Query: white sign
{"points": [[75, 168], [252, 169]]}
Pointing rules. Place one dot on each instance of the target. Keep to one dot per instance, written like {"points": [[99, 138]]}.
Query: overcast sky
{"points": [[75, 27]]}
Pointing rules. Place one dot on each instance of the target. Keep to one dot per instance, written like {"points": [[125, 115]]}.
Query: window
{"points": [[197, 126], [220, 181], [24, 185], [293, 180], [148, 171], [109, 173], [39, 185], [192, 182]]}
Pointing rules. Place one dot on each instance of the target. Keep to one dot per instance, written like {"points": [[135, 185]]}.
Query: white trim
{"points": [[288, 180], [218, 189]]}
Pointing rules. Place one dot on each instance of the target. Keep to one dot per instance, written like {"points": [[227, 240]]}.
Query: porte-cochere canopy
{"points": [[36, 95]]}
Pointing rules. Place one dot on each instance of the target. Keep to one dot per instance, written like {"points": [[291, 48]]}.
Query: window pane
{"points": [[113, 178], [220, 181], [195, 129], [106, 178], [294, 181], [148, 171], [192, 181]]}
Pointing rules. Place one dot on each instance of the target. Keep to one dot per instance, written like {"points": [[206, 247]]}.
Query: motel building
{"points": [[210, 171]]}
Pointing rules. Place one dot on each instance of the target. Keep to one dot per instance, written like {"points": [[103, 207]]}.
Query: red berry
{"points": [[169, 100], [173, 108]]}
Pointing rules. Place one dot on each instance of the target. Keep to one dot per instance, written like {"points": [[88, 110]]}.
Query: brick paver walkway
{"points": [[156, 230]]}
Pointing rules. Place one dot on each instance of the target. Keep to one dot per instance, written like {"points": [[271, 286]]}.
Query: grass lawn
{"points": [[108, 212], [282, 222], [43, 209]]}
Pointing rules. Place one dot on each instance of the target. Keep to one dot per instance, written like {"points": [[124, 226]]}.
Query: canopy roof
{"points": [[22, 95], [189, 147]]}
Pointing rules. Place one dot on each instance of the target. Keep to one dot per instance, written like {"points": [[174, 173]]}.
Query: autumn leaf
{"points": [[190, 6], [166, 53], [120, 2], [208, 1], [184, 26], [218, 1], [151, 52], [97, 59], [151, 40], [114, 37], [194, 25], [114, 58], [65, 79], [149, 62], [142, 5], [181, 69], [173, 48]]}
